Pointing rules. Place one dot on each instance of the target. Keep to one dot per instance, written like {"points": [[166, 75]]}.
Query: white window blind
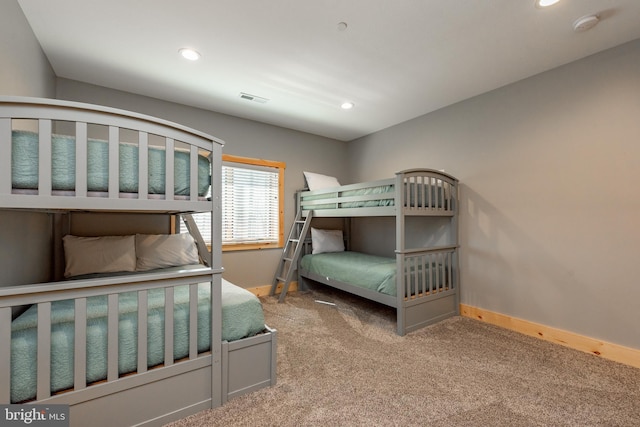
{"points": [[250, 205]]}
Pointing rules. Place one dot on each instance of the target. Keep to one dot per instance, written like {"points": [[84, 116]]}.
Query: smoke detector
{"points": [[585, 23]]}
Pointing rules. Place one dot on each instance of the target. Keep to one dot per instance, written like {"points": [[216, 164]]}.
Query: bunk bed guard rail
{"points": [[418, 192], [79, 291], [45, 115]]}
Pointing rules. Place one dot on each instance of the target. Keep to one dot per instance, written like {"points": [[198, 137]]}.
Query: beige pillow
{"points": [[326, 241], [165, 250], [105, 254]]}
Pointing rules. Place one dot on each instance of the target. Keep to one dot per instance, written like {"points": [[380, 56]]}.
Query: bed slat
{"points": [[81, 159], [193, 321], [169, 179], [44, 157], [143, 165], [424, 260], [437, 273], [44, 350], [168, 326], [194, 172], [114, 162], [450, 284], [112, 337], [143, 304], [80, 345], [425, 276]]}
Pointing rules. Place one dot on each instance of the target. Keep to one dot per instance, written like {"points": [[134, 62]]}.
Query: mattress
{"points": [[363, 270], [382, 190], [374, 272], [386, 194], [242, 316], [24, 166]]}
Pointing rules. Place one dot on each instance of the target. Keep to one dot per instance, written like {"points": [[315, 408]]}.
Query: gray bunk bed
{"points": [[419, 275], [125, 331]]}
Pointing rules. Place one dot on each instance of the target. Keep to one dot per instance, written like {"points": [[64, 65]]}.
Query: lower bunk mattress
{"points": [[242, 316], [376, 273], [24, 166], [363, 270]]}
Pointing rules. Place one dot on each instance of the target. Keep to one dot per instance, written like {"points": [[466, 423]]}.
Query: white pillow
{"points": [[316, 181], [105, 254], [326, 241], [165, 250]]}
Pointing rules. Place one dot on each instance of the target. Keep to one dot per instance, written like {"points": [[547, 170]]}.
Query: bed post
{"points": [[400, 245], [455, 200], [216, 279]]}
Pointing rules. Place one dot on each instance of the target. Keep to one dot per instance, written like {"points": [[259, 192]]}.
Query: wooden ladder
{"points": [[290, 254]]}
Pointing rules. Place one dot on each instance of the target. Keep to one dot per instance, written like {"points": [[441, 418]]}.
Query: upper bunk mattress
{"points": [[385, 192], [24, 166], [381, 195], [242, 316]]}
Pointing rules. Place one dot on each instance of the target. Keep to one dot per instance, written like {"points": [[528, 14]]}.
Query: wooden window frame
{"points": [[266, 163]]}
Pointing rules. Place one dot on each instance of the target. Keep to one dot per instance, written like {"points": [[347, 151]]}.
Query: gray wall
{"points": [[300, 151], [24, 71], [549, 222]]}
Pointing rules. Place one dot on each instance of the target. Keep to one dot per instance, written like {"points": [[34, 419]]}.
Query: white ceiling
{"points": [[396, 60]]}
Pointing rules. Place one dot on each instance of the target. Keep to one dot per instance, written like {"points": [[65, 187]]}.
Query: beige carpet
{"points": [[344, 365]]}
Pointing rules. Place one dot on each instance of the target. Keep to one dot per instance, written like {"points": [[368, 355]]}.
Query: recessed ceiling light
{"points": [[189, 54], [546, 3], [347, 105]]}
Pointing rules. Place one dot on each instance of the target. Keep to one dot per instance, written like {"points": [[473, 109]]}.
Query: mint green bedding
{"points": [[382, 190], [366, 271], [386, 194], [373, 272], [24, 166], [242, 316]]}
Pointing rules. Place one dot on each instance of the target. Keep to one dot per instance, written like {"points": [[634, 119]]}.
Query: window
{"points": [[252, 204]]}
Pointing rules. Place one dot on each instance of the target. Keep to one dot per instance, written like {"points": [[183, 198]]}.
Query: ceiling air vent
{"points": [[253, 98]]}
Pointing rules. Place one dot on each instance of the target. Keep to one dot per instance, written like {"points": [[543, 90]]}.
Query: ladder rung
{"points": [[287, 259], [281, 279], [294, 240]]}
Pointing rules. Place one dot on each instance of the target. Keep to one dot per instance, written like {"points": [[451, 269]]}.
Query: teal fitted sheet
{"points": [[363, 270], [375, 273], [24, 166], [242, 316], [386, 194]]}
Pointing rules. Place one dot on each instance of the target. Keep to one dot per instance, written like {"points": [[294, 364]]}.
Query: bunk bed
{"points": [[420, 275], [135, 324]]}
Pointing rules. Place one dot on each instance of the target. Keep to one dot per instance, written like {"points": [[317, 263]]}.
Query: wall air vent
{"points": [[253, 98]]}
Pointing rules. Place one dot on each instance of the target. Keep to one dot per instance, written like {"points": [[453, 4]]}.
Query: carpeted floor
{"points": [[344, 365]]}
